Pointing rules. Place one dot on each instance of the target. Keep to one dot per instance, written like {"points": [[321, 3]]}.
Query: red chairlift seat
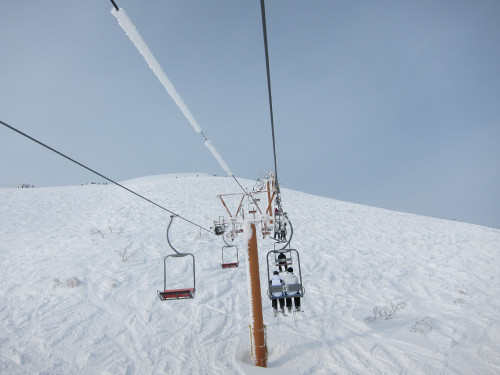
{"points": [[229, 265], [176, 294]]}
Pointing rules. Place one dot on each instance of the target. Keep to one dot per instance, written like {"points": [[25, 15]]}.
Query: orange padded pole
{"points": [[257, 321]]}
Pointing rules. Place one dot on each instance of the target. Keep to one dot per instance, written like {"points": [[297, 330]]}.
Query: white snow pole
{"points": [[257, 330]]}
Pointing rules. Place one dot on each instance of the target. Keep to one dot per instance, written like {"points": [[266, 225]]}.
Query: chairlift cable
{"points": [[114, 4], [230, 173], [101, 175], [264, 31]]}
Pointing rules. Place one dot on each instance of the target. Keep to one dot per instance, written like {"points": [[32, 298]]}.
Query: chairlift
{"points": [[174, 294], [291, 290], [229, 256], [220, 226], [235, 228], [284, 257], [266, 228], [280, 229]]}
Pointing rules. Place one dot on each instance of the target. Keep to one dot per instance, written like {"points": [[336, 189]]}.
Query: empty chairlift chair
{"points": [[229, 256], [178, 293]]}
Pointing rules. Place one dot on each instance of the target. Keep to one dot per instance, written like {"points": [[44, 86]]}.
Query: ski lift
{"points": [[280, 219], [284, 257], [266, 228], [285, 290], [229, 252], [220, 227], [173, 294]]}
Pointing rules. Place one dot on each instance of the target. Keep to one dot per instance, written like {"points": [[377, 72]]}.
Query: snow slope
{"points": [[81, 266]]}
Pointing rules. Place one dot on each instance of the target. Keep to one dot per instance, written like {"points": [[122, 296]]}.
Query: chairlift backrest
{"points": [[292, 289], [276, 289], [286, 261], [283, 291]]}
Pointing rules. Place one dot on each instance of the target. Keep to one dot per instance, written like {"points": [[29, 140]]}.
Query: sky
{"points": [[391, 104]]}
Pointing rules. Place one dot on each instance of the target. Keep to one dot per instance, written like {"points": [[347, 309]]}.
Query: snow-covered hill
{"points": [[81, 266]]}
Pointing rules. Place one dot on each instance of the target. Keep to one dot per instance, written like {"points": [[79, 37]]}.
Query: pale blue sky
{"points": [[394, 104]]}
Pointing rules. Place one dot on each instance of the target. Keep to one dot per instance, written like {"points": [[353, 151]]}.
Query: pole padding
{"points": [[258, 330]]}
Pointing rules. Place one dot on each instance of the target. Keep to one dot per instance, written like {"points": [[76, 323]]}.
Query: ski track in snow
{"points": [[81, 267]]}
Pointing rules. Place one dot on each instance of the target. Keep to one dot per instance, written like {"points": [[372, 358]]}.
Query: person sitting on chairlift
{"points": [[282, 262], [280, 233], [283, 232], [277, 232], [276, 280], [291, 279]]}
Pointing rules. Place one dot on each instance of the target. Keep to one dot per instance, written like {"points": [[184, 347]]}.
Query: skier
{"points": [[276, 280], [291, 279]]}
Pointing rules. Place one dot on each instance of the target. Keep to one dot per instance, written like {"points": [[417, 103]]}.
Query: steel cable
{"points": [[101, 175]]}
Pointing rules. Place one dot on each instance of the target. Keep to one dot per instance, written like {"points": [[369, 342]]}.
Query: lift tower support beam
{"points": [[259, 348]]}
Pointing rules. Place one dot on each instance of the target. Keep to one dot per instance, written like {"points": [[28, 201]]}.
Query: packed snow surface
{"points": [[386, 292]]}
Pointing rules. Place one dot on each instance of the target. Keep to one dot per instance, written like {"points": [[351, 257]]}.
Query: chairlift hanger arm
{"points": [[224, 239], [168, 237]]}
